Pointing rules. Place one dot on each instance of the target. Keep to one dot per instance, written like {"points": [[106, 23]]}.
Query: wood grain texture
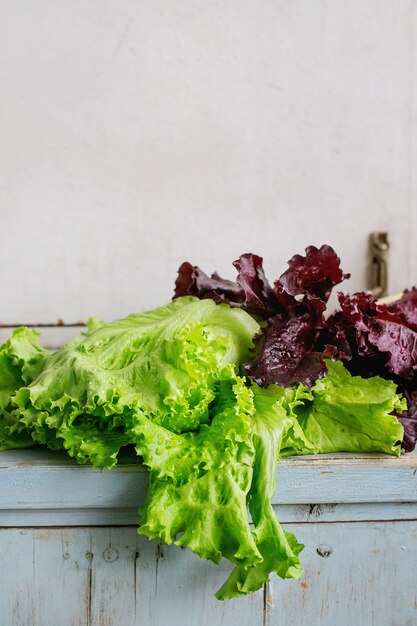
{"points": [[111, 577], [297, 513], [37, 479], [44, 577], [353, 574], [124, 570]]}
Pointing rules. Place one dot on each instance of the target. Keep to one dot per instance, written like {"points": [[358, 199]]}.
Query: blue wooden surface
{"points": [[113, 577], [358, 561], [40, 479]]}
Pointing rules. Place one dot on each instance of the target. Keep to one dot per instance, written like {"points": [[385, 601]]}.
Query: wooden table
{"points": [[70, 555]]}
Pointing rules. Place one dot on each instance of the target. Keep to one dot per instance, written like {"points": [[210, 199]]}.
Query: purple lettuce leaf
{"points": [[251, 291], [290, 350], [286, 351], [398, 342], [381, 340], [406, 306], [409, 417], [373, 330], [313, 275], [192, 281], [259, 297]]}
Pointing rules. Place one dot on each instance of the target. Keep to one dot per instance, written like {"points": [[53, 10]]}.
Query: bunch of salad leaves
{"points": [[210, 390], [371, 339]]}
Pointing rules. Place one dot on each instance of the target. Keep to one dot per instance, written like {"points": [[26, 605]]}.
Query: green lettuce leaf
{"points": [[163, 365], [208, 512], [345, 413], [203, 506], [21, 358], [279, 549]]}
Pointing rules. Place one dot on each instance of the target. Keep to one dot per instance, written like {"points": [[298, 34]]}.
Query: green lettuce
{"points": [[344, 413], [169, 383], [279, 549], [164, 365], [20, 360]]}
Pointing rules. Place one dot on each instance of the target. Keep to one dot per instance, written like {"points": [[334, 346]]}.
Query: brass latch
{"points": [[378, 263]]}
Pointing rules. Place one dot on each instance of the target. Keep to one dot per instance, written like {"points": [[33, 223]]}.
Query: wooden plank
{"points": [[146, 583], [357, 574], [294, 513], [124, 571], [347, 478], [354, 574], [185, 588], [44, 578], [68, 517], [40, 479], [111, 577], [17, 597], [346, 512]]}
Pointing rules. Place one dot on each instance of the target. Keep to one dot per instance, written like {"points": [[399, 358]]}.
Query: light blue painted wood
{"points": [[185, 593], [123, 582], [44, 577], [41, 479], [367, 579], [357, 574], [111, 577], [344, 512]]}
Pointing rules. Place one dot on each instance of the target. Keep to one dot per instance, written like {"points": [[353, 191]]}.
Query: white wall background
{"points": [[138, 134]]}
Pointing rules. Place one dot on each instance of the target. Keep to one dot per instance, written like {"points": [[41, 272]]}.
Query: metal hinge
{"points": [[378, 263]]}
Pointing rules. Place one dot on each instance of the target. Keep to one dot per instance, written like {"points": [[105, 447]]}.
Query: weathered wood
{"points": [[354, 574], [103, 576], [44, 577], [294, 513], [123, 578], [41, 479], [185, 588], [111, 577], [359, 574]]}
